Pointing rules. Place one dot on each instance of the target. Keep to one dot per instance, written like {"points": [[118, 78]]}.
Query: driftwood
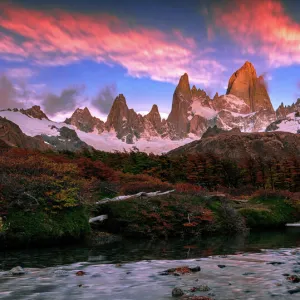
{"points": [[138, 195], [121, 198], [99, 218]]}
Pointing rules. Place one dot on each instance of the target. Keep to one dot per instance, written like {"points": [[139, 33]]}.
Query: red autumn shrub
{"points": [[184, 187], [97, 169]]}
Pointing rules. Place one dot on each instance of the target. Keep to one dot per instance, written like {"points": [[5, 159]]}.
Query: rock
{"points": [[282, 111], [275, 263], [293, 278], [17, 271], [177, 292], [182, 100], [294, 291], [34, 112], [181, 271], [80, 273], [195, 269], [221, 266], [248, 273], [200, 288], [245, 84], [154, 118], [84, 121], [127, 124], [68, 140]]}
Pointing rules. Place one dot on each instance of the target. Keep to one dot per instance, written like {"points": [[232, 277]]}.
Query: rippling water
{"points": [[130, 270]]}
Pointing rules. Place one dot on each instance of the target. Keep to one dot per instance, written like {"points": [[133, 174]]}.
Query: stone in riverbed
{"points": [[221, 266], [181, 271], [294, 291], [294, 278], [275, 263], [200, 288], [17, 271], [177, 292]]}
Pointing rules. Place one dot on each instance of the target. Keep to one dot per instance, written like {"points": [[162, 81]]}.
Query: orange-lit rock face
{"points": [[245, 84]]}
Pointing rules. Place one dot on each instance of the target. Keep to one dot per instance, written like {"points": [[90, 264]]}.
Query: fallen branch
{"points": [[138, 195], [99, 218]]}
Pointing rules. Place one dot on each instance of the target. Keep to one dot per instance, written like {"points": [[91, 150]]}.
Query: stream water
{"points": [[254, 267]]}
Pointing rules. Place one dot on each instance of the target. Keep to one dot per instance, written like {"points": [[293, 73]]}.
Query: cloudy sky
{"points": [[63, 54]]}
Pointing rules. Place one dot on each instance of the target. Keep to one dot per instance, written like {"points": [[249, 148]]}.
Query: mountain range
{"points": [[245, 106]]}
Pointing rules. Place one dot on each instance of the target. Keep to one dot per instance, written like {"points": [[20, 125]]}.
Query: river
{"points": [[252, 267]]}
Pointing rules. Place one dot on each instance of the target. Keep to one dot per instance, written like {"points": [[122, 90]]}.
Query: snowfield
{"points": [[290, 124], [107, 141]]}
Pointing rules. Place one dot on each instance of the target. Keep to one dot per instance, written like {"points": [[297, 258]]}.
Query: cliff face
{"points": [[182, 100], [245, 85]]}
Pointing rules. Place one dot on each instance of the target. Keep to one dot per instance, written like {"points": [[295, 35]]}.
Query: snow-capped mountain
{"points": [[246, 106]]}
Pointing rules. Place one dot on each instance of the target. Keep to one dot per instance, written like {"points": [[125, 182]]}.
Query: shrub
{"points": [[184, 187], [132, 184], [229, 220]]}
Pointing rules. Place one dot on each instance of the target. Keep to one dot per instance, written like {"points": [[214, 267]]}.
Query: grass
{"points": [[270, 212]]}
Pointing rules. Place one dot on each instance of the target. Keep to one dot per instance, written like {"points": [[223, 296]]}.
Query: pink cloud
{"points": [[59, 37], [261, 27]]}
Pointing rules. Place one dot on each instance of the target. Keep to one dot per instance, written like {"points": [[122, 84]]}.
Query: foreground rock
{"points": [[17, 271], [181, 271]]}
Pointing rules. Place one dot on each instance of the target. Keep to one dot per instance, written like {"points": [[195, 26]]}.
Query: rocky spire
{"points": [[245, 84], [182, 99], [154, 117], [118, 114], [126, 122], [84, 121]]}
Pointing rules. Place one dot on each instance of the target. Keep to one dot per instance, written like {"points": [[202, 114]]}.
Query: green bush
{"points": [[40, 227]]}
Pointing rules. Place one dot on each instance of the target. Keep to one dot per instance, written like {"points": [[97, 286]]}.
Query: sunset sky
{"points": [[63, 54]]}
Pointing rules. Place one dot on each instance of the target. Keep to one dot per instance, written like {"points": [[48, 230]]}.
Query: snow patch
{"points": [[203, 111]]}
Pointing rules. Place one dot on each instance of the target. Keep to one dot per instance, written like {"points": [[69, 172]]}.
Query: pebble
{"points": [[177, 292]]}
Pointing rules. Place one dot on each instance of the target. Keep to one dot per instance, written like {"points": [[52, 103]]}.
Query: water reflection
{"points": [[131, 251]]}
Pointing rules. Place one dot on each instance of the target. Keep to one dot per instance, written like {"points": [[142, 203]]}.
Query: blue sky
{"points": [[141, 48]]}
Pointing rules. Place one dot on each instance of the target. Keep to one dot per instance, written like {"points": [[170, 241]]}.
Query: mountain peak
{"points": [[154, 109], [84, 121], [245, 85], [184, 84], [34, 112], [121, 98]]}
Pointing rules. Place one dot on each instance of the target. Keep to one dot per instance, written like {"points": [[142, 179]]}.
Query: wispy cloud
{"points": [[58, 37], [20, 73], [261, 27]]}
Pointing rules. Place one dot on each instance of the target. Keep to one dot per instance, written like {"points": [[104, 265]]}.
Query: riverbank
{"points": [[178, 215]]}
